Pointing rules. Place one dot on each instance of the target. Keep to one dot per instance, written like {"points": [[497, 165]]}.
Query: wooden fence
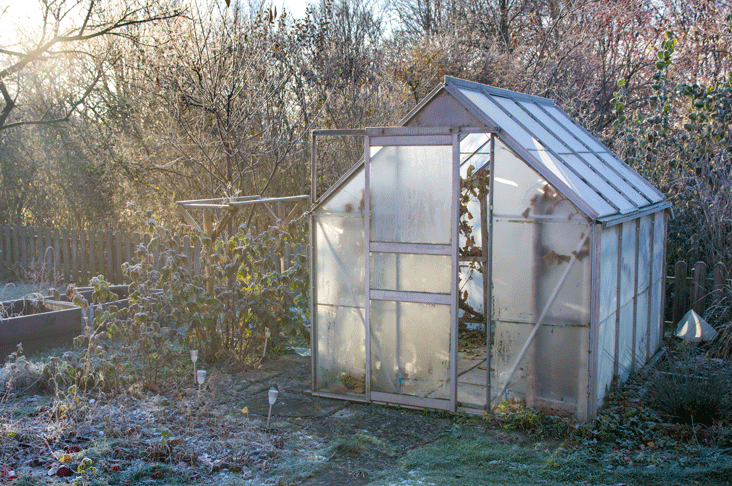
{"points": [[71, 255], [694, 288]]}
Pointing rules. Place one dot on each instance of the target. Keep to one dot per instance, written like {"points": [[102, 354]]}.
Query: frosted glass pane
{"points": [[659, 244], [608, 272], [625, 341], [627, 269], [339, 260], [529, 259], [410, 349], [501, 119], [644, 253], [606, 357], [349, 199], [555, 127], [572, 127], [599, 183], [411, 273], [340, 350], [533, 127], [411, 194], [641, 328]]}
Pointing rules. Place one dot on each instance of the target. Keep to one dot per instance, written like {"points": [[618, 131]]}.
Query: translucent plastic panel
{"points": [[610, 173], [572, 127], [410, 349], [557, 362], [547, 139], [516, 186], [411, 273], [349, 198], [632, 177], [411, 194], [656, 316], [641, 329], [659, 245], [556, 128], [340, 350], [549, 368], [625, 341], [529, 260], [508, 340], [600, 184], [627, 269], [501, 119], [474, 150], [518, 190], [339, 260], [577, 185], [644, 253], [609, 272], [606, 356]]}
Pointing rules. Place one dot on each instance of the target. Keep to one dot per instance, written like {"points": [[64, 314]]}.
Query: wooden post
{"points": [[31, 242], [100, 254], [84, 259], [16, 244], [66, 258], [197, 256], [48, 255], [92, 255], [109, 255], [699, 291], [118, 257], [57, 253], [128, 249], [720, 275], [3, 251], [679, 292], [74, 256], [23, 248], [187, 252]]}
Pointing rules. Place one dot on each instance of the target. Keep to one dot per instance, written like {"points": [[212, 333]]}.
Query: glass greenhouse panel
{"points": [[410, 202], [349, 199], [483, 103], [508, 340], [656, 316], [339, 260], [340, 352], [400, 332], [610, 172], [625, 341], [475, 150], [641, 328], [556, 373], [644, 253], [532, 125], [627, 268], [659, 239], [599, 183], [410, 272], [574, 182], [561, 133], [606, 355], [609, 273], [642, 186]]}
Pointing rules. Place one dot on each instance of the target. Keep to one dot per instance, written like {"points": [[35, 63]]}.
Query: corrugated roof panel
{"points": [[549, 140], [481, 101], [555, 127], [574, 182], [600, 183]]}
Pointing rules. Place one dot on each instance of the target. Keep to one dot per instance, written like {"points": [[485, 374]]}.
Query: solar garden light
{"points": [[194, 358], [272, 399]]}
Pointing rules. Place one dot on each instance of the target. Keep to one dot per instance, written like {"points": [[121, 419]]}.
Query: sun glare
{"points": [[18, 18]]}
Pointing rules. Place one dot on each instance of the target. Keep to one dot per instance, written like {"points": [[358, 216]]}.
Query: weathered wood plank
{"points": [[699, 291], [75, 257], [679, 305], [57, 253], [66, 256], [118, 257], [109, 256], [720, 276]]}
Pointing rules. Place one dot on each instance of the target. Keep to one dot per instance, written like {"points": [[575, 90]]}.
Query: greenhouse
{"points": [[487, 249]]}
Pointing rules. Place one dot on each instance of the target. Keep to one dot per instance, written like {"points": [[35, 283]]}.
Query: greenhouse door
{"points": [[412, 187]]}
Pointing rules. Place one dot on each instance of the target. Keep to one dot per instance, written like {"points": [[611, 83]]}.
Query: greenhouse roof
{"points": [[560, 149]]}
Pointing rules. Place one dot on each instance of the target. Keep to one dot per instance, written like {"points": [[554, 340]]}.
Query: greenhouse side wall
{"points": [[537, 234], [338, 321]]}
